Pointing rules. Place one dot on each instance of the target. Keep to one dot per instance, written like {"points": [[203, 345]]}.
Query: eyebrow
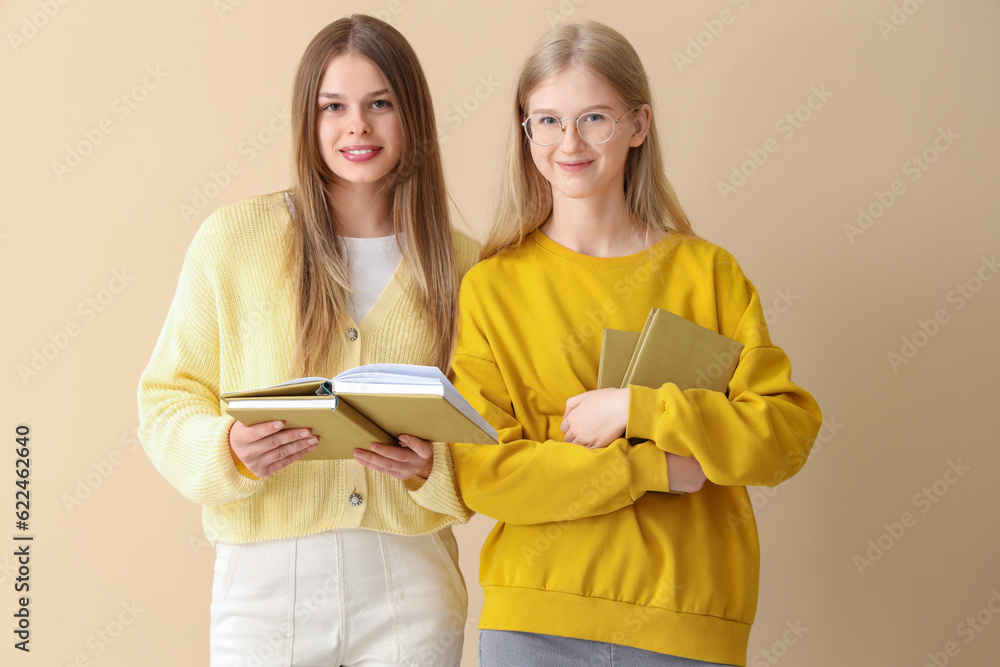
{"points": [[338, 96], [592, 107]]}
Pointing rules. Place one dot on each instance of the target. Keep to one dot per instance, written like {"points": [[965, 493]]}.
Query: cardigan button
{"points": [[352, 333], [354, 499]]}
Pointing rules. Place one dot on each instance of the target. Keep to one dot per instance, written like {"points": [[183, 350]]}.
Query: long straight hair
{"points": [[316, 258], [526, 197]]}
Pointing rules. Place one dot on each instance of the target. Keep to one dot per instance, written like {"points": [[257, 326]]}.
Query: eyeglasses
{"points": [[595, 128]]}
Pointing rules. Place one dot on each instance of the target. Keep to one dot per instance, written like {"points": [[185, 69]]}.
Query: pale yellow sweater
{"points": [[231, 327], [587, 543]]}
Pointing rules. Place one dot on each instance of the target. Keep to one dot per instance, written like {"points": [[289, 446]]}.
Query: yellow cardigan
{"points": [[231, 327], [587, 545]]}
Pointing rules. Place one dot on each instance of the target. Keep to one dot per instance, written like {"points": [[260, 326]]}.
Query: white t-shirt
{"points": [[372, 263]]}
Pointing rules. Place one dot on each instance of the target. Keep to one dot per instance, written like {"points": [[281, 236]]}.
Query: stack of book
{"points": [[668, 349]]}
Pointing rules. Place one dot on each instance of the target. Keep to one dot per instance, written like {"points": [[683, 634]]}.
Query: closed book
{"points": [[372, 403], [669, 348], [673, 349], [617, 347]]}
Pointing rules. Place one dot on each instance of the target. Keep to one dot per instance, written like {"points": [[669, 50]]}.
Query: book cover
{"points": [[670, 348], [617, 347], [341, 428]]}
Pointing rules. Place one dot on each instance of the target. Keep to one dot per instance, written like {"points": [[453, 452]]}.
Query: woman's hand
{"points": [[265, 448], [595, 418], [685, 473], [413, 457]]}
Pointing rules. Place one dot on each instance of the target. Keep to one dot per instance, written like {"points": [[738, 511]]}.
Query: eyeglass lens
{"points": [[593, 127]]}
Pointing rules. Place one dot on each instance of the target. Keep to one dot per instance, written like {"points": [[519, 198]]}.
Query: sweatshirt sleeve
{"points": [[760, 434], [181, 425], [524, 481]]}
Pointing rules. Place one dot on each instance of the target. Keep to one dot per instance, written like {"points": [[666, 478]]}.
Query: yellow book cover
{"points": [[670, 348]]}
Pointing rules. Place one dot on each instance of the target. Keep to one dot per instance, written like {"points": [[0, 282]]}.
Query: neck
{"points": [[363, 210], [597, 226]]}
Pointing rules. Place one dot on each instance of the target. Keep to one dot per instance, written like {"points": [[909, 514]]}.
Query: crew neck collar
{"points": [[635, 259]]}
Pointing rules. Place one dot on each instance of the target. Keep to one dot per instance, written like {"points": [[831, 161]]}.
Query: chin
{"points": [[577, 192], [361, 179]]}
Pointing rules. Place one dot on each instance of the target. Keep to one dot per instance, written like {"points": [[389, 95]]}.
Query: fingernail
{"points": [[375, 446], [312, 441], [277, 426], [403, 439], [303, 434]]}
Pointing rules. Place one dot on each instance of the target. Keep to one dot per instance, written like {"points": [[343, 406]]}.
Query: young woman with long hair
{"points": [[593, 561], [322, 562]]}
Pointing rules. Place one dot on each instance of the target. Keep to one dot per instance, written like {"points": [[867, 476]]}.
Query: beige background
{"points": [[115, 544]]}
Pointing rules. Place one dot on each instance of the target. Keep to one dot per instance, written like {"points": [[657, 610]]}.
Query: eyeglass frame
{"points": [[562, 126]]}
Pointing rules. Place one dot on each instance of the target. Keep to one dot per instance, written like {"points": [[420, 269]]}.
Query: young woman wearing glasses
{"points": [[592, 560]]}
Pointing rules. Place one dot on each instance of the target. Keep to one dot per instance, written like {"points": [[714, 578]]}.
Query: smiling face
{"points": [[357, 126], [574, 168]]}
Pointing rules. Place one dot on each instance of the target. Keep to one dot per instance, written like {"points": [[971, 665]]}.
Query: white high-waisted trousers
{"points": [[342, 597]]}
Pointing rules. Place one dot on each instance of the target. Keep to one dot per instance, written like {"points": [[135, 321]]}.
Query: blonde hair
{"points": [[316, 257], [526, 197]]}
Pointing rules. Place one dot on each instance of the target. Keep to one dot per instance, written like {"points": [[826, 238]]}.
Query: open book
{"points": [[366, 404], [669, 348]]}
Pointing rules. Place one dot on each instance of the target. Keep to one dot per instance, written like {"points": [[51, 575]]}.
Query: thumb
{"points": [[422, 448]]}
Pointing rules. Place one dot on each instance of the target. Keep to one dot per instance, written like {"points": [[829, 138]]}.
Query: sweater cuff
{"points": [[241, 466], [649, 469], [238, 476], [652, 413], [439, 492], [236, 460], [645, 408]]}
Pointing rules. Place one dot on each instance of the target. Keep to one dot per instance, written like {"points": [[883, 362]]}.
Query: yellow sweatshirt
{"points": [[587, 544], [231, 327]]}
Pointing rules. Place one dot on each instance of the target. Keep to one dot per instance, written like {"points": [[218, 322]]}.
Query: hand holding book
{"points": [[414, 457], [669, 348], [266, 448], [596, 418]]}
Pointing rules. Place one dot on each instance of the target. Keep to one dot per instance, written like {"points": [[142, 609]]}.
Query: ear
{"points": [[643, 118]]}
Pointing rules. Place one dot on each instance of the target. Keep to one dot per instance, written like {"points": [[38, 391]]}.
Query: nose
{"points": [[572, 142], [358, 125]]}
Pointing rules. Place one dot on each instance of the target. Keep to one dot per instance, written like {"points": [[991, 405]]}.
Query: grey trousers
{"points": [[503, 648]]}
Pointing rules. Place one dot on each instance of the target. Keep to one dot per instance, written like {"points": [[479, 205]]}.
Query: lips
{"points": [[360, 153], [576, 165]]}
